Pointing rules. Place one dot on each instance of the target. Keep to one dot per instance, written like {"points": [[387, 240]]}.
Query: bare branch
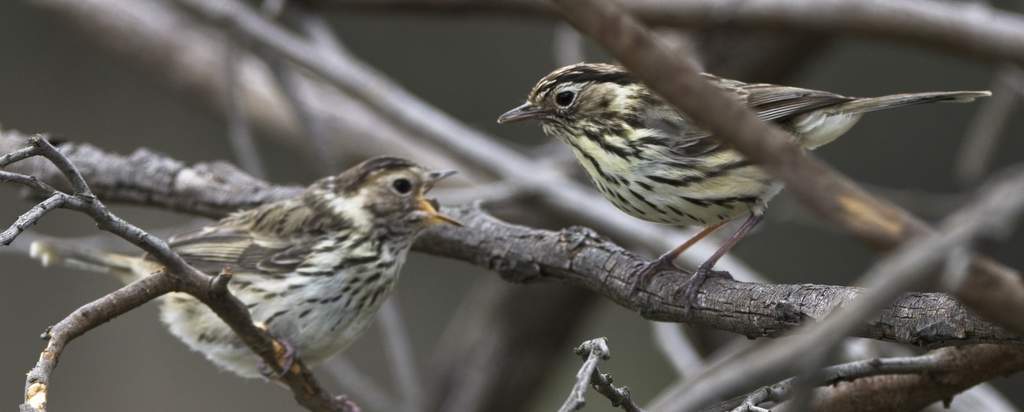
{"points": [[821, 188], [963, 367], [18, 155], [180, 277], [969, 28], [31, 217], [594, 351], [907, 267], [936, 366], [575, 256], [82, 320]]}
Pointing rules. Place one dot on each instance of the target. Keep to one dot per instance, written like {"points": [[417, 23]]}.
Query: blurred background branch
{"points": [[287, 105]]}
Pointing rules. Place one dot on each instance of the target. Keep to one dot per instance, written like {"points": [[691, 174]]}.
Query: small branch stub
{"points": [[594, 351]]}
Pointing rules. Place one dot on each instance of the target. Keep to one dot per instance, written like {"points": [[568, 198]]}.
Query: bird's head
{"points": [[388, 193], [581, 95]]}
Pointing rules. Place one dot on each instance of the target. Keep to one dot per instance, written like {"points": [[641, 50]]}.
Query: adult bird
{"points": [[654, 163]]}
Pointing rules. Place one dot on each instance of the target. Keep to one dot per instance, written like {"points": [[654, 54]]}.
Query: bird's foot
{"points": [[646, 273], [687, 292], [284, 354]]}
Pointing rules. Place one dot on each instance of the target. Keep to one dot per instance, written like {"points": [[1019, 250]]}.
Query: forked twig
{"points": [[594, 351], [177, 276]]}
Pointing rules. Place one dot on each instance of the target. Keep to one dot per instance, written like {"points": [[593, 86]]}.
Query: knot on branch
{"points": [[938, 331], [595, 347], [575, 237], [790, 313]]}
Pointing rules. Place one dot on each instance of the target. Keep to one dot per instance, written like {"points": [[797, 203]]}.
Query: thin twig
{"points": [[594, 351], [82, 320], [181, 277], [30, 217]]}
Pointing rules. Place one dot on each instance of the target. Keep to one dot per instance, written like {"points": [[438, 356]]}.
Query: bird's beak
{"points": [[429, 206], [436, 176], [522, 112]]}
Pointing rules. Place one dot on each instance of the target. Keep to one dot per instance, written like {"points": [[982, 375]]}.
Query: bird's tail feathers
{"points": [[50, 253], [870, 104]]}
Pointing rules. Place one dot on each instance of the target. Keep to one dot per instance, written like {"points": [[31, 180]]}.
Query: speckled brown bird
{"points": [[655, 164], [313, 270]]}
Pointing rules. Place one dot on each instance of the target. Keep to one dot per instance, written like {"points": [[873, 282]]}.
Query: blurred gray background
{"points": [[55, 79]]}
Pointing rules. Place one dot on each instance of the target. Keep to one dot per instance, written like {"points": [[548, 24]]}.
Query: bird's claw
{"points": [[646, 274], [284, 354], [688, 291]]}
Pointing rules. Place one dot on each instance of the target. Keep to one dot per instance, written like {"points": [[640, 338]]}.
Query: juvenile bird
{"points": [[655, 164], [313, 270]]}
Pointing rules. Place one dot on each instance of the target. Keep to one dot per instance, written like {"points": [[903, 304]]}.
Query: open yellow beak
{"points": [[433, 216]]}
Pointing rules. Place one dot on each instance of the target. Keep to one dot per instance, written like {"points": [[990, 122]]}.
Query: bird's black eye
{"points": [[565, 98], [402, 186]]}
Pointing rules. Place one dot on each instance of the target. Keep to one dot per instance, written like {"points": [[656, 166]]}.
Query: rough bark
{"points": [[576, 256]]}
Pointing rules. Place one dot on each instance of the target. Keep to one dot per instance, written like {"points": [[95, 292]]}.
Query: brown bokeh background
{"points": [[55, 79]]}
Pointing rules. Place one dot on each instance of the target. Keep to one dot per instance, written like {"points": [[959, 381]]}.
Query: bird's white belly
{"points": [[820, 127], [319, 319]]}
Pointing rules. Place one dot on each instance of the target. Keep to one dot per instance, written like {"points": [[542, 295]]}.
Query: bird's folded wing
{"points": [[213, 249]]}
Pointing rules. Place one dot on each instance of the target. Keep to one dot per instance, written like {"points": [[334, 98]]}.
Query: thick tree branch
{"points": [[965, 27], [819, 187], [934, 376], [576, 256], [178, 276], [959, 369]]}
